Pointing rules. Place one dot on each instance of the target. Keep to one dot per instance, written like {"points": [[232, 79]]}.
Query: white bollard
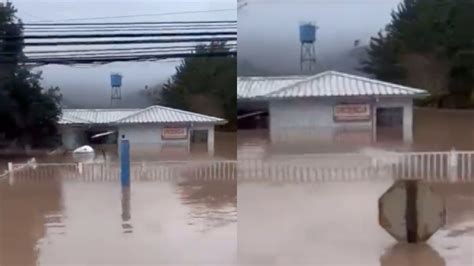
{"points": [[80, 168], [452, 165], [11, 181]]}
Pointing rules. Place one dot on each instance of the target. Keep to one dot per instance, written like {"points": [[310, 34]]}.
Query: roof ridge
{"points": [[371, 80], [77, 118], [346, 75], [273, 77], [167, 108], [131, 115], [299, 82], [188, 112]]}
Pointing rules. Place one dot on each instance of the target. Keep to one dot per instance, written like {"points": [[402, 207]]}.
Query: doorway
{"points": [[389, 125], [198, 143]]}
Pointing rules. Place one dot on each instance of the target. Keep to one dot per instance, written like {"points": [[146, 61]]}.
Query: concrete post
{"points": [[210, 141], [452, 165]]}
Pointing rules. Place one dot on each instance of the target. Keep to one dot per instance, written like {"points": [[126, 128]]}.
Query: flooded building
{"points": [[329, 107], [154, 126]]}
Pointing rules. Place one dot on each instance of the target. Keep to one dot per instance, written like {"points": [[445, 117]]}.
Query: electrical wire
{"points": [[125, 29], [118, 35], [88, 60], [191, 22], [146, 15], [112, 53], [115, 49], [196, 40]]}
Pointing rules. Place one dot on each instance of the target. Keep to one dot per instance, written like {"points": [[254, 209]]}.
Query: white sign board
{"points": [[174, 133], [410, 211], [352, 112]]}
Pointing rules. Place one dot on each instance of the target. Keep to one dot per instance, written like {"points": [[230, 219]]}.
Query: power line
{"points": [[118, 35], [58, 54], [145, 15], [114, 54], [185, 22], [219, 39], [124, 29], [115, 49], [85, 60]]}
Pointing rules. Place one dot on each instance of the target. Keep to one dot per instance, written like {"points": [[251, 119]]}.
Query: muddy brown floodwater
{"points": [[49, 218], [336, 222], [72, 222]]}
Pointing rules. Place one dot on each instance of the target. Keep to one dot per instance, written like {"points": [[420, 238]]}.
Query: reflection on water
{"points": [[126, 216], [212, 203], [54, 221], [411, 255]]}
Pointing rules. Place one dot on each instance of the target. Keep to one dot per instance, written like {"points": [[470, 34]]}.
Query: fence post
{"points": [[452, 165], [80, 168], [10, 174]]}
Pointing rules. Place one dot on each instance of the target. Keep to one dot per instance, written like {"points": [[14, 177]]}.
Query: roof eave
{"points": [[419, 95]]}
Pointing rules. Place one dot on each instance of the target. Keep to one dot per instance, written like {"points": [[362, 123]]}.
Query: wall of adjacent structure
{"points": [[313, 118]]}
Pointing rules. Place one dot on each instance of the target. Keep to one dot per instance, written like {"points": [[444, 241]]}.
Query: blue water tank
{"points": [[308, 33], [116, 80]]}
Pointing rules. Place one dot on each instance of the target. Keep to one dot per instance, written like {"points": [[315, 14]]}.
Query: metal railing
{"points": [[451, 166]]}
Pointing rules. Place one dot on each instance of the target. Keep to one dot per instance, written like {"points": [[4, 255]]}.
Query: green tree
{"points": [[428, 44], [28, 112], [205, 85]]}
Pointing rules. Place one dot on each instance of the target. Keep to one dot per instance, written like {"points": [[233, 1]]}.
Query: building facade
{"points": [[153, 127], [331, 107]]}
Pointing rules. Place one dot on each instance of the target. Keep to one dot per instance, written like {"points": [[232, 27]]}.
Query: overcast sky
{"points": [[90, 84], [268, 30], [268, 35]]}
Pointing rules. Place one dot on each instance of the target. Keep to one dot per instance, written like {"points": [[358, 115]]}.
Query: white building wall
{"points": [[295, 119], [146, 134]]}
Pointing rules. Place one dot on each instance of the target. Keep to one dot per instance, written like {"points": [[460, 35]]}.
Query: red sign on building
{"points": [[174, 133], [352, 112]]}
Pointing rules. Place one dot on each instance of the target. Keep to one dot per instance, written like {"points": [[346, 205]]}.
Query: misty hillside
{"points": [[347, 61], [133, 99]]}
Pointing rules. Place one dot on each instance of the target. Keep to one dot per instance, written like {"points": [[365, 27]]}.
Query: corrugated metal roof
{"points": [[161, 114], [333, 83], [95, 116], [252, 87], [152, 114]]}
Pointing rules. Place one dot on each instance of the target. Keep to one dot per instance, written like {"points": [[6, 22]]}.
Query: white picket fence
{"points": [[452, 166], [456, 166]]}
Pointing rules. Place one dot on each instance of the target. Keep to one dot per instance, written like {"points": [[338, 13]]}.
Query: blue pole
{"points": [[125, 163]]}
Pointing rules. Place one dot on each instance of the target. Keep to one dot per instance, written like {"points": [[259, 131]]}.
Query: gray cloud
{"points": [[268, 31], [89, 85]]}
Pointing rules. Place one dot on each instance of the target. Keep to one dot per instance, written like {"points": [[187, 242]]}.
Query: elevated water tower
{"points": [[308, 49], [116, 84]]}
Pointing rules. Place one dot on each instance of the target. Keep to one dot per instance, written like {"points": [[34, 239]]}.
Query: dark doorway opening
{"points": [[389, 124], [199, 141], [252, 120], [199, 136]]}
